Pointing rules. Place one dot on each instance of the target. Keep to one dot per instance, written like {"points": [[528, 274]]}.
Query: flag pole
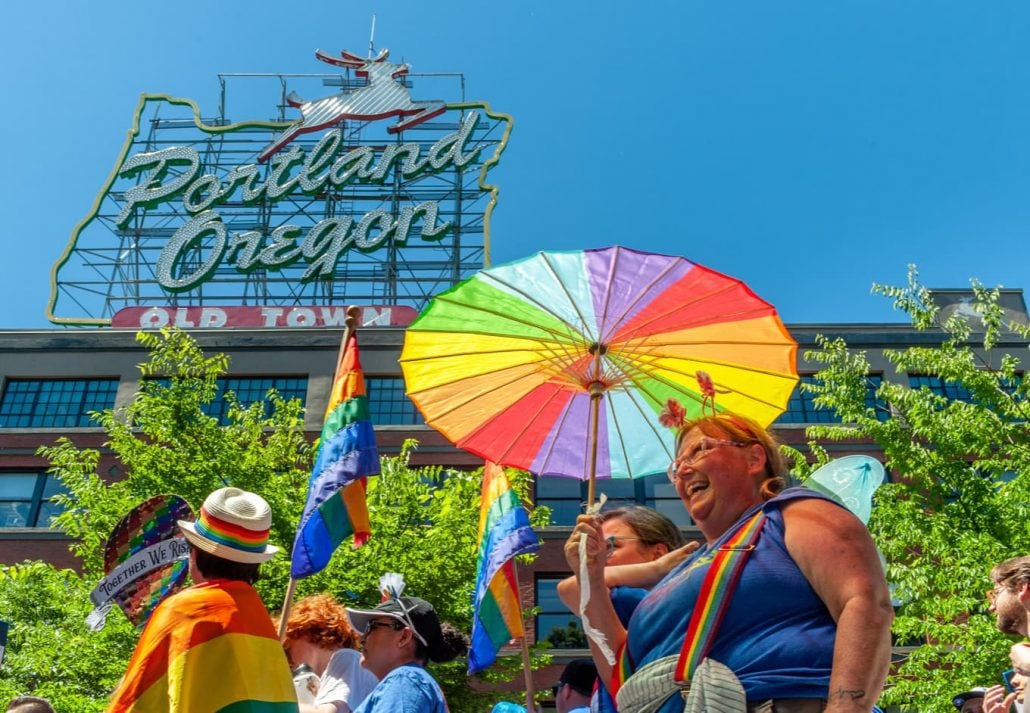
{"points": [[349, 325], [527, 672], [287, 603]]}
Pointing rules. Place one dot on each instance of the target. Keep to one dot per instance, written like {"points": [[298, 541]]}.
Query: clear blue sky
{"points": [[810, 148]]}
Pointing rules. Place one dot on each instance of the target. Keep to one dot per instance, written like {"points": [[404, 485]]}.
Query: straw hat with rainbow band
{"points": [[233, 525]]}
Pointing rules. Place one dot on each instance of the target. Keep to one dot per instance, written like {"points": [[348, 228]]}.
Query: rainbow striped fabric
{"points": [[211, 647], [622, 669], [230, 534], [347, 454], [504, 532], [716, 594], [713, 600]]}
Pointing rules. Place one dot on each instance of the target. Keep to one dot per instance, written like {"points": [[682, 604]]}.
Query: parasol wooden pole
{"points": [[527, 672], [349, 325], [596, 394]]}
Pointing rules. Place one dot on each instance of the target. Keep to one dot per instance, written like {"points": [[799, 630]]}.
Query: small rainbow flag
{"points": [[211, 647], [347, 455], [504, 532]]}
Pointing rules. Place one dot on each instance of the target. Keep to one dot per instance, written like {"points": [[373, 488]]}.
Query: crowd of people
{"points": [[213, 646], [783, 608]]}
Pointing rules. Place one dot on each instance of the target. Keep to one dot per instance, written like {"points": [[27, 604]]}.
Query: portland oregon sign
{"points": [[361, 190]]}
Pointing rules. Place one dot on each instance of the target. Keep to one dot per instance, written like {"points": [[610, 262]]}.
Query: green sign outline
{"points": [[133, 133]]}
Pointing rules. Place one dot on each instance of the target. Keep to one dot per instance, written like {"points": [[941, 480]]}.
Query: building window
{"points": [[872, 384], [388, 405], [25, 499], [567, 496], [555, 624], [249, 390], [949, 389], [54, 403], [801, 407], [956, 391]]}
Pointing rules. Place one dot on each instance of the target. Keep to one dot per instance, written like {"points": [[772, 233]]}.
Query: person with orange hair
{"points": [[319, 635]]}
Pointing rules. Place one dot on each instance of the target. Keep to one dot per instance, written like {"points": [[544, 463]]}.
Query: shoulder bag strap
{"points": [[716, 593]]}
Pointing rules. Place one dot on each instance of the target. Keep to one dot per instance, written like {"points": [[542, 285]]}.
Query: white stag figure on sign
{"points": [[382, 97]]}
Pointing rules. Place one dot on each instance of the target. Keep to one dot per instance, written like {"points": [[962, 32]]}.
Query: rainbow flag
{"points": [[504, 532], [347, 454], [211, 647]]}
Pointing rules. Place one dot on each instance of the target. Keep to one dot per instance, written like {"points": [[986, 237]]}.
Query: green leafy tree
{"points": [[959, 501], [50, 652], [424, 523], [167, 444]]}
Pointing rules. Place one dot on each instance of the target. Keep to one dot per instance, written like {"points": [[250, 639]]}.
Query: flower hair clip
{"points": [[673, 415], [707, 386]]}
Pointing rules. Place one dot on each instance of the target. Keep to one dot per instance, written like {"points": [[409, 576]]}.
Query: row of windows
{"points": [[65, 403], [54, 403], [801, 407], [957, 391], [249, 391], [24, 497]]}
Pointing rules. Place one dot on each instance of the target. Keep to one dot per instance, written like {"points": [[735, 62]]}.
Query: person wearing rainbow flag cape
{"points": [[213, 647], [783, 609]]}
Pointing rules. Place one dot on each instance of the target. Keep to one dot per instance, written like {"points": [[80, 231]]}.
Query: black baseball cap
{"points": [[580, 675], [960, 700], [418, 614]]}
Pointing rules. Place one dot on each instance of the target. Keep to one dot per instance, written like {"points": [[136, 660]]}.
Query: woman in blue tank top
{"points": [[806, 625]]}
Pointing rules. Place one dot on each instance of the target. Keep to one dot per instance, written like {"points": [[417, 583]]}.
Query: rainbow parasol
{"points": [[560, 363]]}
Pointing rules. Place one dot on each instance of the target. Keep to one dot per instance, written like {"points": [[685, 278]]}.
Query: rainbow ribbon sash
{"points": [[716, 593], [712, 602]]}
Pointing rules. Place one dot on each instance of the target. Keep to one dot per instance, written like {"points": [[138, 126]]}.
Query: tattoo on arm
{"points": [[842, 694]]}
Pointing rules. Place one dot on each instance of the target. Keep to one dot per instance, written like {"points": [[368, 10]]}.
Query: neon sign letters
{"points": [[171, 173]]}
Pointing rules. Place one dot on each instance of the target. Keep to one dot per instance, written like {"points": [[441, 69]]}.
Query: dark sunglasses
{"points": [[372, 625]]}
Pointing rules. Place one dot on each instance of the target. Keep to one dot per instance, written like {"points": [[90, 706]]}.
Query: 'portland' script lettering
{"points": [[171, 173]]}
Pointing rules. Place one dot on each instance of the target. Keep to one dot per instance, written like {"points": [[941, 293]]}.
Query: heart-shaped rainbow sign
{"points": [[145, 560]]}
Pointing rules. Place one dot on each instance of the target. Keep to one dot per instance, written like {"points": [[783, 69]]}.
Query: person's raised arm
{"points": [[599, 611], [643, 574], [837, 556]]}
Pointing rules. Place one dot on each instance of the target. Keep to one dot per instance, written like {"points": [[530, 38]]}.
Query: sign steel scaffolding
{"points": [[217, 240]]}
